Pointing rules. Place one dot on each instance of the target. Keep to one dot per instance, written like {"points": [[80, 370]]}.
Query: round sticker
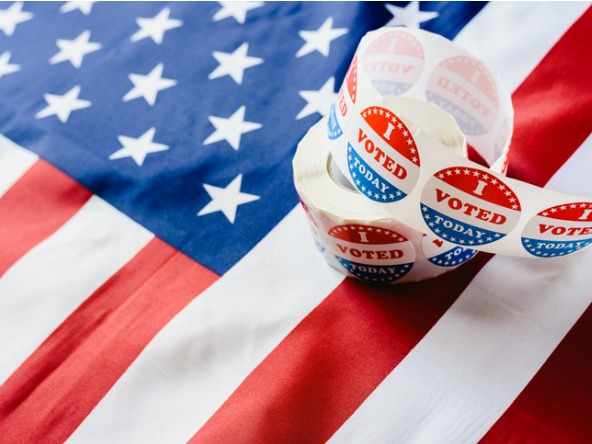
{"points": [[384, 163], [468, 206], [559, 230], [371, 253], [394, 62], [341, 112], [466, 89], [445, 254]]}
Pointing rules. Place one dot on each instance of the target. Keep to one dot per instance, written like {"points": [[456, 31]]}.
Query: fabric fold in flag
{"points": [[56, 276], [112, 325], [333, 360]]}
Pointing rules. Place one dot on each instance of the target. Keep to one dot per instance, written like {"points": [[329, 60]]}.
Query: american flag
{"points": [[158, 282]]}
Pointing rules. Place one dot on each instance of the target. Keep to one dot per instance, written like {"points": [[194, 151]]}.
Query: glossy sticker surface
{"points": [[468, 206], [559, 230], [371, 253], [394, 62], [383, 161]]}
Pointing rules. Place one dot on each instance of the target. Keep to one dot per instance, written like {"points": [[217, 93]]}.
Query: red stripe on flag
{"points": [[324, 369], [56, 388], [474, 155], [39, 203], [553, 107], [556, 405]]}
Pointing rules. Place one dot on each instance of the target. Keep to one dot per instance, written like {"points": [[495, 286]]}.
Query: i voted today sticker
{"points": [[371, 253], [468, 206], [559, 230], [383, 161], [394, 62], [466, 89], [341, 112], [445, 254]]}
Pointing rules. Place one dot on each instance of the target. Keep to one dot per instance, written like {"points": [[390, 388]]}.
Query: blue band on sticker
{"points": [[376, 273], [456, 231], [465, 121], [368, 182], [453, 257], [549, 248], [333, 129], [390, 88]]}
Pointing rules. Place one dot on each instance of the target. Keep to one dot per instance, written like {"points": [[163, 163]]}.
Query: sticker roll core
{"points": [[381, 145]]}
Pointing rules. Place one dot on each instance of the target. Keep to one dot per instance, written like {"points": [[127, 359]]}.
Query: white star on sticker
{"points": [[318, 101], [227, 199], [321, 39], [83, 6], [138, 148], [231, 129], [238, 10], [12, 16], [5, 66], [75, 50], [62, 106], [155, 27], [234, 64], [409, 16], [149, 85]]}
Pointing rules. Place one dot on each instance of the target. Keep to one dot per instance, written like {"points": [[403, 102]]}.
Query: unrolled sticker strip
{"points": [[396, 166]]}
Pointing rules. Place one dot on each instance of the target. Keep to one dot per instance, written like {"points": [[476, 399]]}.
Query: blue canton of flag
{"points": [[184, 116]]}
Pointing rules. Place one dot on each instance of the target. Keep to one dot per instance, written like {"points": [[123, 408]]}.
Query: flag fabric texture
{"points": [[158, 281]]}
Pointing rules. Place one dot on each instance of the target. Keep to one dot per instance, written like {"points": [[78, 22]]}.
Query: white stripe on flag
{"points": [[14, 162], [481, 354], [512, 37], [57, 275], [197, 361]]}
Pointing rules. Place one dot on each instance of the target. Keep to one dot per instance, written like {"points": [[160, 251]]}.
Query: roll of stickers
{"points": [[359, 237], [404, 172], [385, 180]]}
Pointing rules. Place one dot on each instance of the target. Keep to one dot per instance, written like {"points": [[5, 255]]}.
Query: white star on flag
{"points": [[5, 66], [320, 40], [138, 148], [83, 6], [155, 27], [238, 10], [319, 101], [62, 106], [226, 199], [12, 16], [234, 64], [231, 129], [149, 85], [409, 16], [75, 50]]}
